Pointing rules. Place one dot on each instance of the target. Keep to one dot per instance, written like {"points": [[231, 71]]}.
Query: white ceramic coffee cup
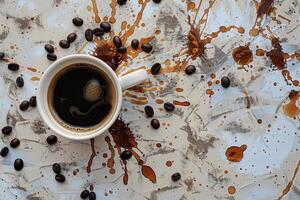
{"points": [[120, 84]]}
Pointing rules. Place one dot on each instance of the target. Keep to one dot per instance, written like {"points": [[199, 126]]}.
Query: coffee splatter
{"points": [[290, 109], [242, 55], [235, 153], [93, 155], [231, 190]]}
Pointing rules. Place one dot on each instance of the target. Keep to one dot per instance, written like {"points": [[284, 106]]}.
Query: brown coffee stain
{"points": [[276, 55], [181, 103], [35, 78], [149, 173], [33, 69], [169, 163], [125, 177], [235, 153], [127, 94], [110, 162], [231, 190], [93, 155], [242, 55], [157, 32], [179, 89], [191, 5], [260, 52], [222, 29], [210, 92], [290, 109], [96, 11], [159, 101], [285, 18], [290, 183], [113, 6], [137, 102]]}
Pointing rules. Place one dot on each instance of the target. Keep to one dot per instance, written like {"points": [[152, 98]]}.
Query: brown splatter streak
{"points": [[111, 160], [242, 55], [290, 109], [181, 103], [93, 155], [235, 154], [96, 11], [113, 5]]}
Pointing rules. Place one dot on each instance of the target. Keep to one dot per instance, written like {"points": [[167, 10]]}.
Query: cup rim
{"points": [[61, 130]]}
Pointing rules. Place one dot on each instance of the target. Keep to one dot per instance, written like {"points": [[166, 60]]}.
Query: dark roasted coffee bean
{"points": [[155, 68], [64, 44], [6, 130], [15, 143], [24, 105], [122, 50], [92, 196], [156, 1], [99, 32], [106, 26], [89, 34], [84, 194], [13, 67], [20, 81], [32, 101], [2, 54], [18, 164], [71, 37], [4, 151], [117, 41], [190, 69], [155, 123], [51, 139], [56, 168], [49, 48], [51, 56], [147, 47], [169, 106], [176, 176], [135, 44], [225, 82], [60, 178], [149, 111], [77, 21], [125, 155], [121, 2]]}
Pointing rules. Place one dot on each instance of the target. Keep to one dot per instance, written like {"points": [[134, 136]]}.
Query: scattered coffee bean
{"points": [[18, 164], [2, 54], [15, 143], [106, 26], [225, 82], [77, 21], [56, 168], [156, 1], [122, 50], [135, 44], [190, 69], [84, 194], [64, 44], [24, 105], [121, 2], [71, 37], [147, 47], [125, 155], [155, 68], [60, 178], [51, 56], [99, 32], [89, 34], [155, 123], [92, 196], [20, 81], [32, 101], [6, 130], [169, 106], [13, 67], [117, 41], [51, 139], [176, 177], [149, 111], [49, 48], [4, 151]]}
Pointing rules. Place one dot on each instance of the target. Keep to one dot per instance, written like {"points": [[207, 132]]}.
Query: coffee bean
{"points": [[84, 194], [122, 50], [155, 123], [77, 21], [121, 2], [125, 155], [20, 81], [176, 177], [92, 196], [64, 44], [15, 143], [99, 32], [51, 56], [71, 37], [135, 44], [147, 47], [117, 41], [2, 54], [156, 1], [18, 164], [51, 139], [169, 106], [60, 178], [13, 67], [106, 26], [6, 130], [89, 34], [24, 105], [149, 111], [190, 69], [155, 68], [49, 48], [225, 82], [56, 168], [32, 101], [4, 151]]}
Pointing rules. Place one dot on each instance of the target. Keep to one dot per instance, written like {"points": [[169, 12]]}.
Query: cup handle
{"points": [[133, 78]]}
